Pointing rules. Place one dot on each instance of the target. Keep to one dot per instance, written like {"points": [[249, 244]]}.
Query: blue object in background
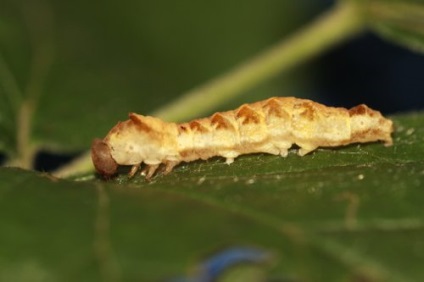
{"points": [[211, 268]]}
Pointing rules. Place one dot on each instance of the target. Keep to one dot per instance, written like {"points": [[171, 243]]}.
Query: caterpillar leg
{"points": [[282, 148], [229, 156], [284, 152], [305, 149], [133, 170], [149, 170], [229, 161], [169, 166]]}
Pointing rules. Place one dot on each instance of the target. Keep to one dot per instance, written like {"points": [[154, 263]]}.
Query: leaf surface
{"points": [[355, 212]]}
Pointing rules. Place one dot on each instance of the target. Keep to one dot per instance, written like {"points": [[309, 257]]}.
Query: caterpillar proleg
{"points": [[271, 126]]}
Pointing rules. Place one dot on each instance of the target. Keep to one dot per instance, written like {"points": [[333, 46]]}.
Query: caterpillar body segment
{"points": [[271, 126]]}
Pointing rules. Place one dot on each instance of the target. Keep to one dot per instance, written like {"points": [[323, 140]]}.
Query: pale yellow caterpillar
{"points": [[271, 126]]}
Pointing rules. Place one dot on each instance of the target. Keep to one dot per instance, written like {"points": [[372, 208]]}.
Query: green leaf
{"points": [[400, 21], [345, 214], [244, 274]]}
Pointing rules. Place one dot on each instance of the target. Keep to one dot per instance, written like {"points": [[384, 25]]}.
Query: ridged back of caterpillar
{"points": [[143, 139], [270, 126]]}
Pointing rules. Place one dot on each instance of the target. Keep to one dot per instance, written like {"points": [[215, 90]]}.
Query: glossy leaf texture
{"points": [[400, 21], [346, 214]]}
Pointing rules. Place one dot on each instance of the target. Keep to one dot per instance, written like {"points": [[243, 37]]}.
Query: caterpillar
{"points": [[271, 126]]}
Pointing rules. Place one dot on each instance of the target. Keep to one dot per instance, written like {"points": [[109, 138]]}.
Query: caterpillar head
{"points": [[368, 125], [132, 142], [102, 158]]}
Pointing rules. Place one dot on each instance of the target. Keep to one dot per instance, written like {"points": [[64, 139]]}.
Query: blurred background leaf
{"points": [[90, 64], [113, 58], [87, 65], [401, 21]]}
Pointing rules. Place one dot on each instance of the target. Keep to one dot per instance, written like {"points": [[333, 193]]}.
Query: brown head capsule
{"points": [[102, 158]]}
